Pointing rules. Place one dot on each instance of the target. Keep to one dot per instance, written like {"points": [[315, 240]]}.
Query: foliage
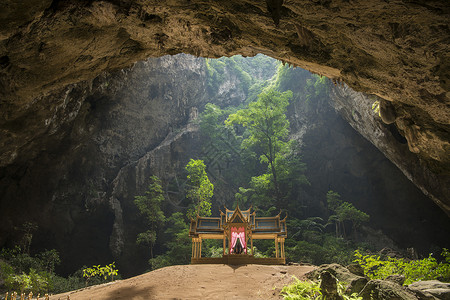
{"points": [[301, 290], [259, 254], [200, 189], [99, 271], [414, 270], [267, 128], [147, 237], [344, 211], [333, 200], [212, 248], [314, 91], [249, 71], [20, 282], [27, 230], [222, 148], [320, 248], [34, 281], [304, 290], [264, 248], [149, 206], [49, 259], [22, 272], [376, 107], [216, 73], [347, 211], [178, 243], [72, 282]]}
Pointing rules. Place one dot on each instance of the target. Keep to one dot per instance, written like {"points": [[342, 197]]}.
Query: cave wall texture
{"points": [[398, 50], [69, 187]]}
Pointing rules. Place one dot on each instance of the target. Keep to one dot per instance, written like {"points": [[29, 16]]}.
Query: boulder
{"points": [[356, 269], [388, 290], [328, 286], [399, 279], [438, 289], [354, 282]]}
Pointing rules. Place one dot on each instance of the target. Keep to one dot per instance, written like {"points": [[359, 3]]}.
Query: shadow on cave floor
{"points": [[129, 292], [235, 267]]}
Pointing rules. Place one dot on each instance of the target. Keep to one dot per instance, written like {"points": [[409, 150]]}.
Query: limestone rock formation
{"points": [[390, 288], [396, 50], [328, 286], [356, 109], [440, 290], [342, 159], [384, 290], [355, 283], [64, 179]]}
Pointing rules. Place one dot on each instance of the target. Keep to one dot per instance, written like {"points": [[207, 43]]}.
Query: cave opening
{"points": [[147, 120], [75, 157]]}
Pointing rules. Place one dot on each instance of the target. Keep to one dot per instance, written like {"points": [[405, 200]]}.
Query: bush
{"points": [[108, 271], [61, 284], [414, 270], [304, 290], [301, 290], [21, 272], [6, 271], [327, 249]]}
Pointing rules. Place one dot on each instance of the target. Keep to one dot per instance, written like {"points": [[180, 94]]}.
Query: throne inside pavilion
{"points": [[238, 228]]}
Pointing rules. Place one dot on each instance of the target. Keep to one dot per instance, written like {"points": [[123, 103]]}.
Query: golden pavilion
{"points": [[238, 228]]}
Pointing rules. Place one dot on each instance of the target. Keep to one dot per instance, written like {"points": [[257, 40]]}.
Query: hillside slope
{"points": [[197, 282]]}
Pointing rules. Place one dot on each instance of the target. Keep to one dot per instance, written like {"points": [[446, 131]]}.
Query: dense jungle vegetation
{"points": [[248, 150]]}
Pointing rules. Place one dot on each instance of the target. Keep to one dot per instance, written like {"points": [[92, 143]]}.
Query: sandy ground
{"points": [[197, 282]]}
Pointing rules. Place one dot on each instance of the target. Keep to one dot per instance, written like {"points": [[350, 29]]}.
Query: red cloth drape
{"points": [[243, 241], [235, 234]]}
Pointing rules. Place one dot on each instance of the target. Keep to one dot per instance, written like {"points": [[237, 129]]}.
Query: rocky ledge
{"points": [[390, 288]]}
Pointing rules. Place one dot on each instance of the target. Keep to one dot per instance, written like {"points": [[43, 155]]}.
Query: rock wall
{"points": [[397, 50], [356, 109], [67, 184], [340, 157]]}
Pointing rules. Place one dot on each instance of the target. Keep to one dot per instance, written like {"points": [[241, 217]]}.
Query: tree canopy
{"points": [[200, 189], [267, 127], [149, 206], [344, 211]]}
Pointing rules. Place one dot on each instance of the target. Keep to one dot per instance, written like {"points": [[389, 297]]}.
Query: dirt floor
{"points": [[197, 282]]}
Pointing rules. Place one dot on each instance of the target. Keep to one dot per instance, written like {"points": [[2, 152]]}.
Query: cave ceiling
{"points": [[397, 50]]}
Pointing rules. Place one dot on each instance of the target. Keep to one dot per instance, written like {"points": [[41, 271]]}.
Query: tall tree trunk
{"points": [[274, 173], [337, 228]]}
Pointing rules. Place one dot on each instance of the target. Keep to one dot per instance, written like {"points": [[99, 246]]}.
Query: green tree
{"points": [[49, 260], [268, 129], [27, 228], [178, 244], [149, 206], [344, 211], [200, 190]]}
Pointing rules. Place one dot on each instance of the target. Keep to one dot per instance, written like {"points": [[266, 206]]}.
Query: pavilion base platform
{"points": [[240, 259]]}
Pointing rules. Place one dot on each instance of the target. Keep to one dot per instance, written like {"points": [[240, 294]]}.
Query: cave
{"points": [[77, 78]]}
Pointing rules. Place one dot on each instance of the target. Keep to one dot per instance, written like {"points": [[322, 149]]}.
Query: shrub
{"points": [[414, 270], [304, 290], [100, 272], [301, 290]]}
